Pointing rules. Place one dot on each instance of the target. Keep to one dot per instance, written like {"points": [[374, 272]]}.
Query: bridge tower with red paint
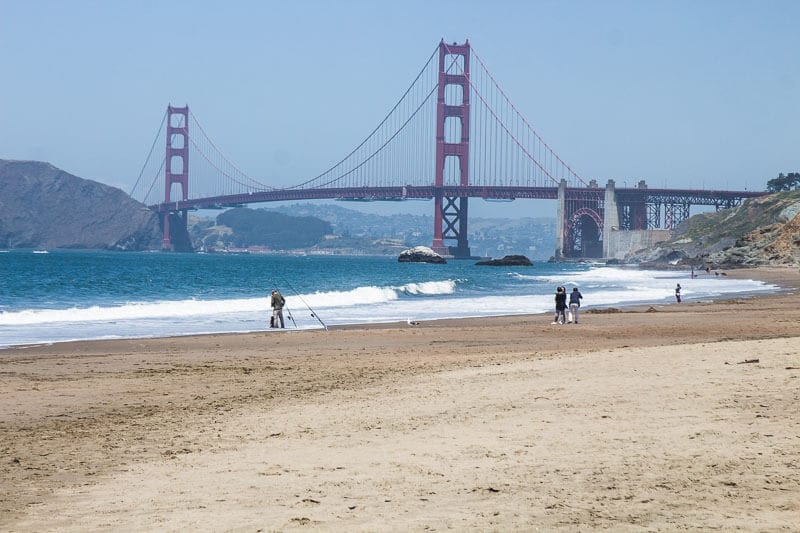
{"points": [[450, 212], [176, 171]]}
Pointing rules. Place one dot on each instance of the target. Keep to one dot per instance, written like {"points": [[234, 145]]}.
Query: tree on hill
{"points": [[788, 182], [262, 227]]}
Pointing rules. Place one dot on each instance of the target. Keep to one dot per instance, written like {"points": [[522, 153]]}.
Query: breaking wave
{"points": [[369, 295]]}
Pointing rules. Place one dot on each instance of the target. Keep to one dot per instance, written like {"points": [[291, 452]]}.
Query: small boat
{"points": [[41, 252]]}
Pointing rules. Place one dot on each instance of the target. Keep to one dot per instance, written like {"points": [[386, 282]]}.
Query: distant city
{"points": [[355, 232]]}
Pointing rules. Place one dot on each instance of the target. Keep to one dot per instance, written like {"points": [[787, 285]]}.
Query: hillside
{"points": [[390, 234], [42, 206], [262, 227], [351, 232], [761, 231]]}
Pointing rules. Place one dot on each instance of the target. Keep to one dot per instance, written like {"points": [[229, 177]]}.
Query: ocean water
{"points": [[75, 295]]}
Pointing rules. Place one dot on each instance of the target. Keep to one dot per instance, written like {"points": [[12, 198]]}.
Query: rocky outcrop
{"points": [[42, 206], [776, 244], [761, 231], [508, 260], [420, 254]]}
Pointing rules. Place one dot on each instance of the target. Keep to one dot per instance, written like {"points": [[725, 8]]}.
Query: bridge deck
{"points": [[684, 196]]}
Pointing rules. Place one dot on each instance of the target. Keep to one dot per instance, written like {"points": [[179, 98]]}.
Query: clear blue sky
{"points": [[680, 93]]}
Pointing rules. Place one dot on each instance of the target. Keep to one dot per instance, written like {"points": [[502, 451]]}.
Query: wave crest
{"points": [[376, 295], [186, 308]]}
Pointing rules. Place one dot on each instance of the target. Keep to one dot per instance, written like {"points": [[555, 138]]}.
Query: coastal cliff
{"points": [[761, 231], [42, 206]]}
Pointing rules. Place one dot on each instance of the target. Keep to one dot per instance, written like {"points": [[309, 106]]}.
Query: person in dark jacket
{"points": [[276, 302], [574, 304], [561, 306]]}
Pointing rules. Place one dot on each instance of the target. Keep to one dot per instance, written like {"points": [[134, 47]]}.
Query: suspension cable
{"points": [[505, 128], [163, 162], [219, 152], [523, 117], [155, 179], [381, 147], [368, 137], [224, 173], [141, 172], [390, 139]]}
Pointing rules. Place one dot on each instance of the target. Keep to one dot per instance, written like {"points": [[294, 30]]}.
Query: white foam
{"points": [[360, 296], [372, 295], [428, 300], [135, 310]]}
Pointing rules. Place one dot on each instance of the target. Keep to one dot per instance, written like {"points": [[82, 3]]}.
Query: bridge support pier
{"points": [[610, 217], [176, 231], [561, 221]]}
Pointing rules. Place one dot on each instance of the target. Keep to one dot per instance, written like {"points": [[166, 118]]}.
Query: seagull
{"points": [[412, 322]]}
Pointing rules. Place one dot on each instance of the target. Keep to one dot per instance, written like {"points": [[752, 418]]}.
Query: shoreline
{"points": [[670, 416], [786, 278]]}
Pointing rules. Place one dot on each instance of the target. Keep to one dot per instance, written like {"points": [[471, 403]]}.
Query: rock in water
{"points": [[509, 260], [420, 254]]}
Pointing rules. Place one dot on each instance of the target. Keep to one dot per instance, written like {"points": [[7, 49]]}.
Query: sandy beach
{"points": [[661, 417]]}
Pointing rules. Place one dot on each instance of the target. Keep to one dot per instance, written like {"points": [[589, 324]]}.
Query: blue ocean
{"points": [[56, 296]]}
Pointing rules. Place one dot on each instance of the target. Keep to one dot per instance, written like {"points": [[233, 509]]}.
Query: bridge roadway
{"points": [[717, 198]]}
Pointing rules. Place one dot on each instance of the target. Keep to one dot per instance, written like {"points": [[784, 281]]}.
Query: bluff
{"points": [[42, 206], [761, 231]]}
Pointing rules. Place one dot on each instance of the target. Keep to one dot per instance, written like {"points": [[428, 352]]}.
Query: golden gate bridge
{"points": [[453, 135]]}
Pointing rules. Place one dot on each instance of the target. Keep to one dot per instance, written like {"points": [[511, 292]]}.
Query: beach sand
{"points": [[660, 417]]}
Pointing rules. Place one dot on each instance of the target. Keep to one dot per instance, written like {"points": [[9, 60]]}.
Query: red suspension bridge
{"points": [[453, 135]]}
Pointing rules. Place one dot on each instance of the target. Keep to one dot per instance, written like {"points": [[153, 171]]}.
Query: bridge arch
{"points": [[584, 234]]}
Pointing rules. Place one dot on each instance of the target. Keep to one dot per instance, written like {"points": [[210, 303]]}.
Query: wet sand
{"points": [[659, 417]]}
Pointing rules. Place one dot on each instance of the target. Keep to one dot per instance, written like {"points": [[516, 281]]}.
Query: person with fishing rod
{"points": [[277, 302], [300, 297]]}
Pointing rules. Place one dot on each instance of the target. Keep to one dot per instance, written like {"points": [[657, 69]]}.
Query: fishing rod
{"points": [[289, 313], [313, 313]]}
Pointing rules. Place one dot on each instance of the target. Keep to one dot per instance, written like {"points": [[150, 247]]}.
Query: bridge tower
{"points": [[450, 213], [176, 170]]}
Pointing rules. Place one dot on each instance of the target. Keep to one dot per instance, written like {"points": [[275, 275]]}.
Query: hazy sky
{"points": [[680, 93]]}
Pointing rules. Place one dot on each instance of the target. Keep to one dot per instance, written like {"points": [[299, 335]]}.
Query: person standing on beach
{"points": [[574, 304], [561, 306], [276, 302], [678, 293]]}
